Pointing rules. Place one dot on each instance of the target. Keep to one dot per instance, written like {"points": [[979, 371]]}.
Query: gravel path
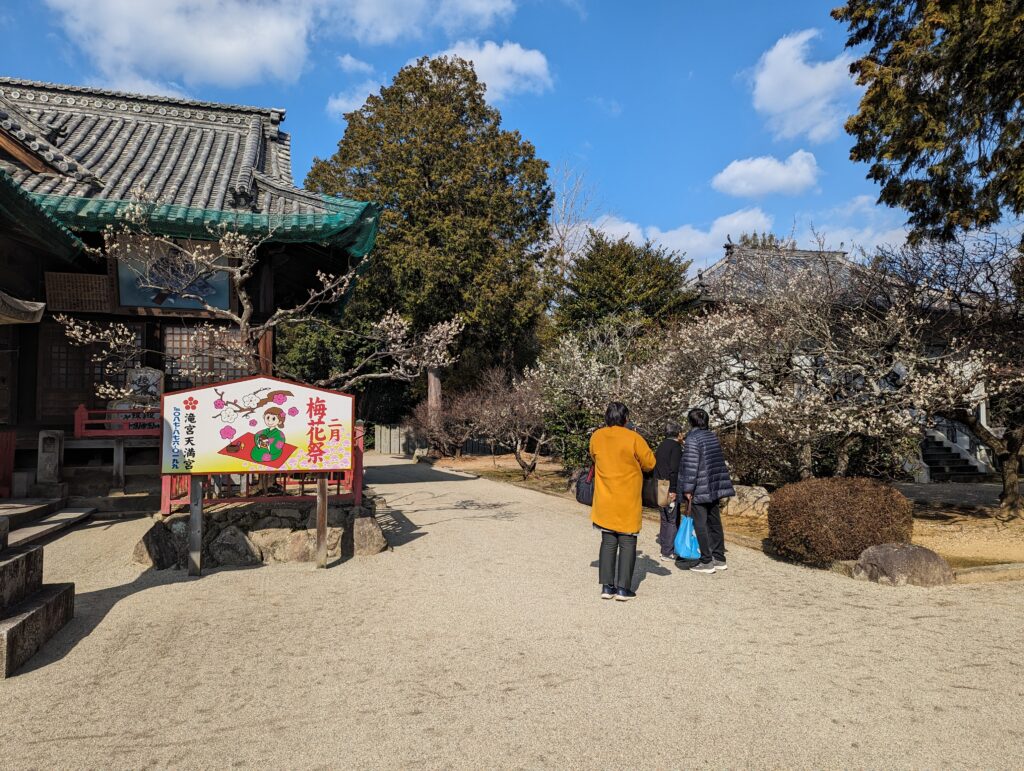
{"points": [[480, 641]]}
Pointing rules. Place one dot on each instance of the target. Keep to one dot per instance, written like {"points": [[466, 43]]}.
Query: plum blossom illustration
{"points": [[293, 411], [227, 433], [253, 422], [250, 401], [218, 404], [280, 398], [228, 415], [191, 403]]}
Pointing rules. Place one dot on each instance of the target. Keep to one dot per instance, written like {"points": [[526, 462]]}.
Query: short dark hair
{"points": [[617, 414], [698, 418], [673, 429]]}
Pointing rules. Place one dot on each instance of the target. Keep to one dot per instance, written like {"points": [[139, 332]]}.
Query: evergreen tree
{"points": [[466, 207], [617, 278], [942, 117]]}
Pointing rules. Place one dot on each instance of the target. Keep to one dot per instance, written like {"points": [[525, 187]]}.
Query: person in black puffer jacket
{"points": [[667, 458], [704, 481]]}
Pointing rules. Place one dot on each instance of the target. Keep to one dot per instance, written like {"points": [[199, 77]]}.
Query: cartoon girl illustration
{"points": [[269, 442]]}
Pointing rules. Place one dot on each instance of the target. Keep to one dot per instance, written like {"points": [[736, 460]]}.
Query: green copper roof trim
{"points": [[35, 220], [351, 225]]}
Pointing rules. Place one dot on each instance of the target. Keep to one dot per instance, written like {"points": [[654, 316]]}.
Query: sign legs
{"points": [[321, 521], [195, 527]]}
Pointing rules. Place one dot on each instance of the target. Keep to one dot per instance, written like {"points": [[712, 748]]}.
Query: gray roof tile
{"points": [[105, 144]]}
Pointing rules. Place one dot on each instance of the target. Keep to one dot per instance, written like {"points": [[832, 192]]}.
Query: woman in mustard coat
{"points": [[621, 456]]}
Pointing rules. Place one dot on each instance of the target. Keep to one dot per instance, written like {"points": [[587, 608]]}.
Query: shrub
{"points": [[819, 521]]}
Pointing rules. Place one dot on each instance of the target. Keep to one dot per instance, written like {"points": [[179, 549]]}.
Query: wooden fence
{"points": [[404, 440]]}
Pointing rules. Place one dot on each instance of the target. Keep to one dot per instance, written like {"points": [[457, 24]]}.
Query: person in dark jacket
{"points": [[667, 467], [704, 481]]}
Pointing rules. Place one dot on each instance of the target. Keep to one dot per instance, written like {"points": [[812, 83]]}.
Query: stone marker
{"points": [[899, 564]]}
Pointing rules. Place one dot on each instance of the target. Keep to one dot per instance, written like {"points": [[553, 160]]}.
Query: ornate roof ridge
{"points": [[64, 87], [31, 135]]}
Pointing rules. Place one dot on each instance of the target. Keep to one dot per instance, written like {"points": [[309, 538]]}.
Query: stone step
{"points": [[141, 501], [54, 523], [27, 626], [964, 477], [21, 574], [25, 511]]}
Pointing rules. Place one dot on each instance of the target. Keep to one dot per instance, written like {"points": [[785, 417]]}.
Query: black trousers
{"points": [[623, 546], [707, 522], [669, 528]]}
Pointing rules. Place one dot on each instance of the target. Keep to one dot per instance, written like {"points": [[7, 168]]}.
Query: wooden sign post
{"points": [[195, 528], [321, 521]]}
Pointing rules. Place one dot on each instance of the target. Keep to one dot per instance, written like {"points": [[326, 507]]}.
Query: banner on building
{"points": [[256, 424]]}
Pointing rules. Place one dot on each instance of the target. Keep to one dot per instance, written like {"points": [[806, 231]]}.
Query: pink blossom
{"points": [[227, 432], [218, 404], [280, 398], [293, 411], [279, 444], [252, 422]]}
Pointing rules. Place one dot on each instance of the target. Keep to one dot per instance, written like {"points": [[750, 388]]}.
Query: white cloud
{"points": [[350, 99], [354, 66], [480, 14], [608, 106], [801, 97], [242, 42], [753, 177], [506, 69], [227, 42], [858, 223], [703, 247]]}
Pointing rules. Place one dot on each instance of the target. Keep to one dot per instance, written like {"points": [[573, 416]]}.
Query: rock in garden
{"points": [[748, 502], [300, 546], [297, 516], [898, 564], [233, 547], [156, 548], [368, 538], [267, 523], [272, 542], [336, 517]]}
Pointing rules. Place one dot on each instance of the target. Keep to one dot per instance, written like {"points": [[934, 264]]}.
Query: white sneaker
{"points": [[669, 558]]}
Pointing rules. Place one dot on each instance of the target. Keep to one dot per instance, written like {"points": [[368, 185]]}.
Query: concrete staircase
{"points": [[946, 465], [31, 612]]}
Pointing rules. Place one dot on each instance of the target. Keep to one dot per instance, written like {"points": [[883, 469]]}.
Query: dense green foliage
{"points": [[466, 207], [942, 119], [819, 521], [620, 279]]}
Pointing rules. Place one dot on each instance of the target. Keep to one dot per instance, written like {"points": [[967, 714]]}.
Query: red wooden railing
{"points": [[343, 486], [113, 424]]}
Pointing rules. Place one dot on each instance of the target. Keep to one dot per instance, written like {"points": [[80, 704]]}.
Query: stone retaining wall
{"points": [[250, 534]]}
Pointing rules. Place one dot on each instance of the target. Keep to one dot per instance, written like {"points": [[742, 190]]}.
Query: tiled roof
{"points": [[180, 153], [753, 270], [21, 213]]}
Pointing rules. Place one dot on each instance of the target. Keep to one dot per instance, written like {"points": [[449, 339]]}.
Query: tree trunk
{"points": [[806, 461], [843, 456], [526, 466], [1010, 499], [433, 396]]}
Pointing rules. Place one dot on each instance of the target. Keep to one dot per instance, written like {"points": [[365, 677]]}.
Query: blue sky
{"points": [[689, 120]]}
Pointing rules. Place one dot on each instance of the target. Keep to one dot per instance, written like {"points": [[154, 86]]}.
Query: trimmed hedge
{"points": [[819, 521]]}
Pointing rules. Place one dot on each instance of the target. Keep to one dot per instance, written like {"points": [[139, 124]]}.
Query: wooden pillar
{"points": [[433, 394], [266, 352], [195, 528], [119, 481], [321, 521]]}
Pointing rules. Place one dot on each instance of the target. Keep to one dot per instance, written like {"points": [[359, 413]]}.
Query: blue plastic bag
{"points": [[686, 546]]}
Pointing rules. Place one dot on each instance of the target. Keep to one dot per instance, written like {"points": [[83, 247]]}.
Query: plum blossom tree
{"points": [[231, 335]]}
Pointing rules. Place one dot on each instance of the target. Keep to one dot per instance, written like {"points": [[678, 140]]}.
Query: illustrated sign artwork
{"points": [[257, 424], [214, 289]]}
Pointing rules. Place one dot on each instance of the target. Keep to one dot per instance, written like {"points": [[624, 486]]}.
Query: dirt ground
{"points": [[966, 537]]}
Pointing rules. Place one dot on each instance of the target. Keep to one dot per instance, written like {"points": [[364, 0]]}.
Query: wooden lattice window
{"points": [[68, 376], [179, 356], [82, 292]]}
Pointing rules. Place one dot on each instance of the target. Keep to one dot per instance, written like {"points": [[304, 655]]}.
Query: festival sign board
{"points": [[256, 424]]}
